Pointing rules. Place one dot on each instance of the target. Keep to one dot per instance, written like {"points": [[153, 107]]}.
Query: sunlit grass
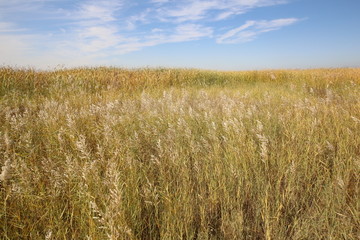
{"points": [[109, 153]]}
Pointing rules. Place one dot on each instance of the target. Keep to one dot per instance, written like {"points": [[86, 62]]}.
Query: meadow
{"points": [[109, 153]]}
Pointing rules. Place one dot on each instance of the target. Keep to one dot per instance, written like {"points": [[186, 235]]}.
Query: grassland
{"points": [[108, 153]]}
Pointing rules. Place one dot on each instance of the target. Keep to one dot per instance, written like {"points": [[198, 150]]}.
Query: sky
{"points": [[206, 34]]}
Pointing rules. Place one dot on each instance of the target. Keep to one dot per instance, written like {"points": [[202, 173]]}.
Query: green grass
{"points": [[107, 153]]}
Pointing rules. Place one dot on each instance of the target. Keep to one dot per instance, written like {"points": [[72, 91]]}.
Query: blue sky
{"points": [[208, 34]]}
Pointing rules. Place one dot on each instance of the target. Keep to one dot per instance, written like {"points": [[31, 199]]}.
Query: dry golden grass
{"points": [[110, 153]]}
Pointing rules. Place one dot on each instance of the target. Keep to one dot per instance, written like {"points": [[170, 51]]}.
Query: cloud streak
{"points": [[103, 11], [209, 10], [182, 33], [252, 29]]}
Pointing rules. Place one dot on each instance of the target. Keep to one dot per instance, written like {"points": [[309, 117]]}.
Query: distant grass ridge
{"points": [[108, 153], [29, 81]]}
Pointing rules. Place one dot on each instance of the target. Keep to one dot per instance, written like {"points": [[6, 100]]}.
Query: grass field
{"points": [[107, 153]]}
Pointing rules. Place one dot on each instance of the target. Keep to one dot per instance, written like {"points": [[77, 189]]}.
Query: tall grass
{"points": [[109, 153]]}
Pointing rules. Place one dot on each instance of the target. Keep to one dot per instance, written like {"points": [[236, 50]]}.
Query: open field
{"points": [[108, 153]]}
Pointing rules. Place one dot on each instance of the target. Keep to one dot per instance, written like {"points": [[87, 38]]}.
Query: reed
{"points": [[108, 153]]}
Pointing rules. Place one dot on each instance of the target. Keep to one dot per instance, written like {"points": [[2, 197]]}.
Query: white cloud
{"points": [[196, 10], [89, 30], [224, 15], [189, 32], [96, 38], [85, 32], [251, 29], [159, 1], [211, 10], [142, 18], [103, 10], [93, 27], [96, 29], [156, 30], [182, 33]]}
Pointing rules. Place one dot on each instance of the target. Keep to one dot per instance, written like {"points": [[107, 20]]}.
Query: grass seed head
{"points": [[6, 171]]}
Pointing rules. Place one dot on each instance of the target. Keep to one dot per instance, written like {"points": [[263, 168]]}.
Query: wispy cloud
{"points": [[193, 11], [141, 18], [251, 29], [96, 38], [89, 29], [101, 10], [210, 10], [182, 33], [93, 26], [159, 1]]}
